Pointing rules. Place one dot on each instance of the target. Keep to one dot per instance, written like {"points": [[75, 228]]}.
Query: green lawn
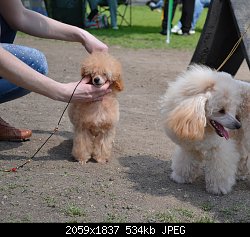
{"points": [[144, 33]]}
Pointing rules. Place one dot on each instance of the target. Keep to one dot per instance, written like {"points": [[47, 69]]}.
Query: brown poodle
{"points": [[95, 122]]}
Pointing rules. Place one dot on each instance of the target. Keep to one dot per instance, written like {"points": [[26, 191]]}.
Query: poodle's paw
{"points": [[83, 162], [101, 160], [180, 179], [241, 177], [242, 173], [219, 188], [81, 159]]}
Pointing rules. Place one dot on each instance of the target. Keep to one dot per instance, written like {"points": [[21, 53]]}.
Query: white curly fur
{"points": [[95, 122], [196, 99]]}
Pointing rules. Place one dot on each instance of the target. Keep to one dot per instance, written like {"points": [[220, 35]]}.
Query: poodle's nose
{"points": [[237, 125], [97, 80]]}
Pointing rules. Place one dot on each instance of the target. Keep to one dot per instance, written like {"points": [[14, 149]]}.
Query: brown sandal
{"points": [[9, 133]]}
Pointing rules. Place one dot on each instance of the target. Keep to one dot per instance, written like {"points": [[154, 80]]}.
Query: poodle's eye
{"points": [[237, 117], [222, 111], [108, 74]]}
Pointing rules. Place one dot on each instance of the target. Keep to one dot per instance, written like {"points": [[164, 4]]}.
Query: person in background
{"points": [[93, 9], [155, 4], [23, 69], [187, 13], [112, 4], [198, 8], [164, 24], [186, 16]]}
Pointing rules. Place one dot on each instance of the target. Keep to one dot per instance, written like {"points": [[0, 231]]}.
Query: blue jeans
{"points": [[112, 9], [33, 58], [198, 8]]}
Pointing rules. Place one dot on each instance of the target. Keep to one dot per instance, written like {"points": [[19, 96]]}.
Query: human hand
{"points": [[84, 92]]}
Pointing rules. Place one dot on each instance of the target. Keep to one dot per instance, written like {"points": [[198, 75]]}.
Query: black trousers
{"points": [[187, 15], [165, 14]]}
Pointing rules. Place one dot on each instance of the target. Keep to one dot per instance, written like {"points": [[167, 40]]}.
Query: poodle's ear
{"points": [[188, 120], [84, 70], [118, 84]]}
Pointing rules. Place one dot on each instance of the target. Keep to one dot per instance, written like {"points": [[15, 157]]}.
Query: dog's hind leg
{"points": [[82, 146], [103, 146], [185, 165], [242, 145], [221, 168], [242, 170]]}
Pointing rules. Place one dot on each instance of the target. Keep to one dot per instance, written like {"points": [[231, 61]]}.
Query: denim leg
{"points": [[33, 58], [112, 9], [198, 8], [113, 12], [179, 24]]}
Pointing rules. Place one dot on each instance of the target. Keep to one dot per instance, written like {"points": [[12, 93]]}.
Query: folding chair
{"points": [[122, 8]]}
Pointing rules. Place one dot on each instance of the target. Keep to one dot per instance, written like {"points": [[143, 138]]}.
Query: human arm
{"points": [[22, 75], [35, 24]]}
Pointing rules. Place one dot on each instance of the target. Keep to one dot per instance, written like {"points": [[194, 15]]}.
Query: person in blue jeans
{"points": [[112, 4], [198, 8], [24, 69]]}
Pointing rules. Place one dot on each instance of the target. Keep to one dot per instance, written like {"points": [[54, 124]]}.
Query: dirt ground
{"points": [[135, 186]]}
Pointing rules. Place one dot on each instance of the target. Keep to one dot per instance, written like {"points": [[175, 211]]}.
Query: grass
{"points": [[207, 206], [144, 33], [179, 215], [72, 210], [51, 202], [114, 218]]}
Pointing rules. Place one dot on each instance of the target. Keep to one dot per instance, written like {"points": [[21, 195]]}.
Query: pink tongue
{"points": [[222, 130], [225, 134]]}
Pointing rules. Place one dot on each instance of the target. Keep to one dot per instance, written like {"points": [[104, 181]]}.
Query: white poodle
{"points": [[207, 114]]}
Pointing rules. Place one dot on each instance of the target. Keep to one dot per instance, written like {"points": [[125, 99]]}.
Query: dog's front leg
{"points": [[185, 165], [221, 167], [82, 146], [103, 146]]}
